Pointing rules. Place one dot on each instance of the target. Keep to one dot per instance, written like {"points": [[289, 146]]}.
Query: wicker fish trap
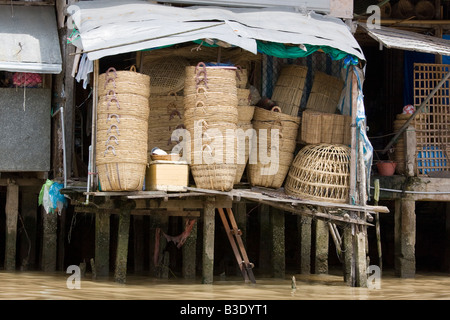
{"points": [[320, 172], [166, 74], [122, 81]]}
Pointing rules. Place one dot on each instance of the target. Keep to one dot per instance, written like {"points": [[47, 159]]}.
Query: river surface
{"points": [[57, 286]]}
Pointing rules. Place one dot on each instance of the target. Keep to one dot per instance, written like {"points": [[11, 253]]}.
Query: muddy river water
{"points": [[58, 286]]}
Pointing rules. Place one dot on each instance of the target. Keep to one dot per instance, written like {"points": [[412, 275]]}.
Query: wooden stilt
{"points": [[189, 253], [102, 240], [321, 254], [405, 238], [278, 244], [264, 243], [162, 266], [29, 203], [138, 227], [208, 241], [348, 256], [49, 241], [12, 212], [305, 243], [120, 272]]}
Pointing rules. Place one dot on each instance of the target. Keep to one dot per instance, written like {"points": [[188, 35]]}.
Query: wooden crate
{"points": [[167, 176]]}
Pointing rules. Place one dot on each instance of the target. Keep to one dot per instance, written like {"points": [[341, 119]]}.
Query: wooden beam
{"points": [[304, 226], [321, 252]]}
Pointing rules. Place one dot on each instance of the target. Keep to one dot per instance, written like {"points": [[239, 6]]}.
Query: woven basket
{"points": [[245, 113], [244, 97], [211, 79], [211, 116], [242, 148], [166, 115], [241, 78], [325, 93], [167, 74], [321, 127], [128, 82], [320, 172], [288, 90], [122, 131], [260, 174]]}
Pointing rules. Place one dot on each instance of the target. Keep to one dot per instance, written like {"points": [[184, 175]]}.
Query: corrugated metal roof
{"points": [[407, 40], [113, 27], [29, 39]]}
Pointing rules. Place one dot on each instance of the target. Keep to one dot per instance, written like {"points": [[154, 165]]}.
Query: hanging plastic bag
{"points": [[58, 201], [44, 196]]}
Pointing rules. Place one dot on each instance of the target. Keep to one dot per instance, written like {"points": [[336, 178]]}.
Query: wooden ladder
{"points": [[234, 236]]}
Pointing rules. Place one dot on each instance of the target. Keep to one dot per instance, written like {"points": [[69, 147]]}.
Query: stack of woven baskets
{"points": [[166, 99], [272, 126], [122, 129], [244, 125], [211, 117]]}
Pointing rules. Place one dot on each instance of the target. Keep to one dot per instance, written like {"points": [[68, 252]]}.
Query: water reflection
{"points": [[44, 286]]}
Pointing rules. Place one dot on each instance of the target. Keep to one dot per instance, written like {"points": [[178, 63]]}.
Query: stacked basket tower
{"points": [[211, 117], [245, 116], [122, 129]]}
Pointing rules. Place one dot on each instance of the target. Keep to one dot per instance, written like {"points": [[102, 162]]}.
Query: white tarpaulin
{"points": [[112, 27], [407, 40]]}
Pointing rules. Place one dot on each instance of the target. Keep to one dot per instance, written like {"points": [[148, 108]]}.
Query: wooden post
{"points": [[321, 254], [405, 238], [162, 269], [29, 203], [410, 151], [120, 272], [447, 238], [208, 240], [138, 227], [278, 244], [265, 246], [304, 226], [347, 249], [49, 240], [189, 252], [102, 239], [12, 212]]}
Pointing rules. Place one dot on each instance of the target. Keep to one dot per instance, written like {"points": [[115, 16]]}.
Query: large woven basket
{"points": [[260, 173], [244, 137], [123, 81], [122, 131], [288, 90], [325, 93], [320, 172]]}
